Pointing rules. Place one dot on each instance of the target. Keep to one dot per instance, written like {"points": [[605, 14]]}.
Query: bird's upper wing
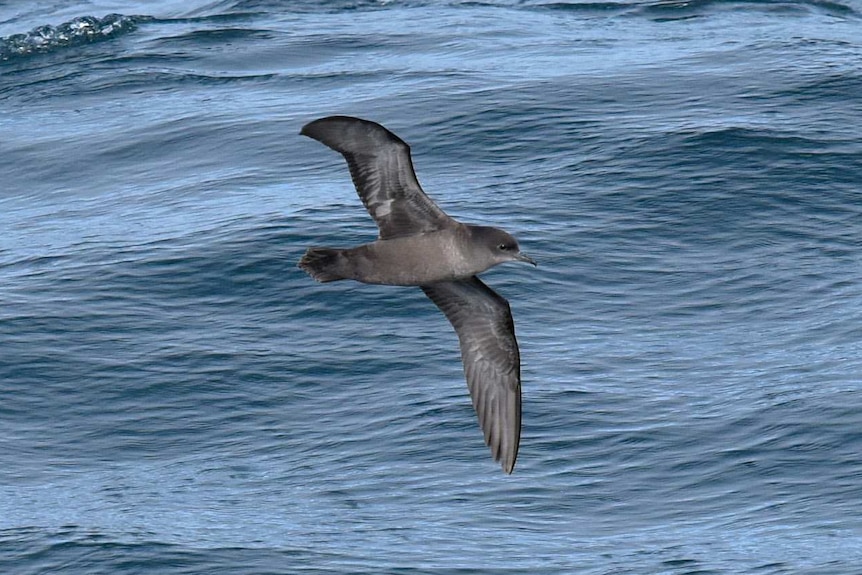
{"points": [[382, 172], [492, 363]]}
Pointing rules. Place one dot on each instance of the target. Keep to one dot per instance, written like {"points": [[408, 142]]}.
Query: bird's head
{"points": [[502, 246]]}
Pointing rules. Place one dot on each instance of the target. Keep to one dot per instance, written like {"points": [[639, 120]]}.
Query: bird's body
{"points": [[372, 263], [419, 245]]}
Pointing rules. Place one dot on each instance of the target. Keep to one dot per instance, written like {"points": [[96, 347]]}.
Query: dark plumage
{"points": [[420, 245]]}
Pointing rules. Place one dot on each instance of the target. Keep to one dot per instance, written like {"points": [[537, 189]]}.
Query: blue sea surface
{"points": [[176, 396]]}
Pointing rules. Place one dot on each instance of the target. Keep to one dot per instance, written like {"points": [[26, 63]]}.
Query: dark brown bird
{"points": [[419, 245]]}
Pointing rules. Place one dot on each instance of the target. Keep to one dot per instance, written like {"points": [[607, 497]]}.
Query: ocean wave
{"points": [[76, 32]]}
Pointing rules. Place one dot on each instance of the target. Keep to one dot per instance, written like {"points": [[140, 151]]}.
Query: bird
{"points": [[420, 245]]}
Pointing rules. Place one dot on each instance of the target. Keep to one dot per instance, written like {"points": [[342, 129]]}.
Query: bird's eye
{"points": [[504, 247]]}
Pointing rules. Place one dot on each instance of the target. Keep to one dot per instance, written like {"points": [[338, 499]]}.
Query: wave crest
{"points": [[83, 30]]}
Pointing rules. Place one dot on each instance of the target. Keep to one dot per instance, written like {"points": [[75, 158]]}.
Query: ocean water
{"points": [[177, 397]]}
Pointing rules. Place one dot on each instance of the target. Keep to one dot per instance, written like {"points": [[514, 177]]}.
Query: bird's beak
{"points": [[521, 256]]}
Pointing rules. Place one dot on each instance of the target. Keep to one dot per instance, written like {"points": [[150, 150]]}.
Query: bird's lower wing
{"points": [[483, 321]]}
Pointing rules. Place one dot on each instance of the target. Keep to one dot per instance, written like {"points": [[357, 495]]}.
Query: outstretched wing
{"points": [[382, 172], [483, 321]]}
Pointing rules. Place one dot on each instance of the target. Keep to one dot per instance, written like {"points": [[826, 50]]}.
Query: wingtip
{"points": [[348, 134], [309, 127], [306, 130], [507, 462]]}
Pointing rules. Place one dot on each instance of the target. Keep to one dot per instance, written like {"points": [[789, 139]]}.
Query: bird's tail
{"points": [[324, 264]]}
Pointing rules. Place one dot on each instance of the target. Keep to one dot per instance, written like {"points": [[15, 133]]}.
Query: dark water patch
{"points": [[671, 10], [217, 36], [82, 549], [827, 88], [602, 9], [307, 6]]}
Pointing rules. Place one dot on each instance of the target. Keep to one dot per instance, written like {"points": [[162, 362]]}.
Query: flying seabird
{"points": [[419, 245]]}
